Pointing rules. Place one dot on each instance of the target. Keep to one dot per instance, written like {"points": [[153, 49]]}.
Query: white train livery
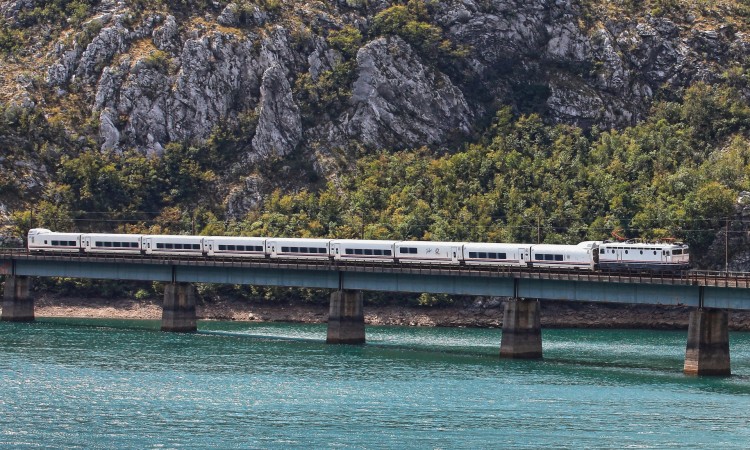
{"points": [[588, 255]]}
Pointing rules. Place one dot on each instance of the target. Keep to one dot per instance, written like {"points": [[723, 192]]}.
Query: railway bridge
{"points": [[711, 294]]}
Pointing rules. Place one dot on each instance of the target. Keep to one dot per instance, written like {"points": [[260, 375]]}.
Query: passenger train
{"points": [[588, 255]]}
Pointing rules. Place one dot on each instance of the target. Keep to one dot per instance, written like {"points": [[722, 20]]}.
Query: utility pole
{"points": [[726, 246]]}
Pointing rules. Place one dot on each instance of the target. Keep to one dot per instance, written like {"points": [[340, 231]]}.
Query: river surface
{"points": [[69, 383]]}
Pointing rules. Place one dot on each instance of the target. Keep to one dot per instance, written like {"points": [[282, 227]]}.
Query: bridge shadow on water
{"points": [[603, 362]]}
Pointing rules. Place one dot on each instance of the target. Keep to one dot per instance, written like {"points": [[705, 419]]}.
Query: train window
{"points": [[258, 248], [54, 242], [626, 252], [558, 257], [386, 252], [641, 252], [159, 245], [413, 250], [349, 251], [45, 242], [115, 245], [601, 250], [97, 244], [357, 251], [368, 251], [654, 252], [677, 251], [232, 248], [303, 249], [685, 251], [222, 247], [502, 256], [549, 257], [472, 254], [492, 255], [284, 249], [322, 250], [377, 252], [403, 250]]}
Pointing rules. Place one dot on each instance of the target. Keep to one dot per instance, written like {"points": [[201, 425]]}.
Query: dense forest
{"points": [[520, 173]]}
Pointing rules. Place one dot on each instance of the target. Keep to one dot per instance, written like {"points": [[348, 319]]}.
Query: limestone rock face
{"points": [[398, 102], [279, 129], [158, 79]]}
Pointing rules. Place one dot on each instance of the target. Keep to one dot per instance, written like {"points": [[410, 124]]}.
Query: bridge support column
{"points": [[346, 318], [178, 311], [18, 305], [522, 330], [707, 351]]}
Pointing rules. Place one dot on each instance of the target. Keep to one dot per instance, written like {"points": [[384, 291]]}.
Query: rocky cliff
{"points": [[317, 83]]}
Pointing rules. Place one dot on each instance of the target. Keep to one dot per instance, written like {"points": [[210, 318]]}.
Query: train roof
{"points": [[644, 245]]}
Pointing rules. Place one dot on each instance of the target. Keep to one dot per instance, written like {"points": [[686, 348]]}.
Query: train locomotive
{"points": [[588, 255]]}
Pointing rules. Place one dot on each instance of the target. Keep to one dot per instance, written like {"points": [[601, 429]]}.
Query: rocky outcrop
{"points": [[279, 129], [397, 102]]}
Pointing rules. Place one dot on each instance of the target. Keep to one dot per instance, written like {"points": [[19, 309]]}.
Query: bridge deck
{"points": [[694, 288]]}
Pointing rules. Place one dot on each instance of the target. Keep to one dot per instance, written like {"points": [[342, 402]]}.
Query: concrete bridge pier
{"points": [[18, 304], [522, 330], [178, 311], [707, 351], [346, 318]]}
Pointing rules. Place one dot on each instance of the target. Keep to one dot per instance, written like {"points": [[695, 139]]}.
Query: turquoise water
{"points": [[104, 383]]}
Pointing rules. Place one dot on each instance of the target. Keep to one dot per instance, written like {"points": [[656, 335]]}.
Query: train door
{"points": [[87, 243], [336, 250], [523, 256], [454, 254], [209, 246], [147, 245]]}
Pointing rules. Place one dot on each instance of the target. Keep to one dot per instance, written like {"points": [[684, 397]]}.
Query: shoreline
{"points": [[481, 313]]}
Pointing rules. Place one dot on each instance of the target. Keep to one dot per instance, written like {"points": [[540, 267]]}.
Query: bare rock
{"points": [[399, 102], [279, 129]]}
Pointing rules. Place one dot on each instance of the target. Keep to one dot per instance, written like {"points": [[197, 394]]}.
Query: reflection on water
{"points": [[105, 383]]}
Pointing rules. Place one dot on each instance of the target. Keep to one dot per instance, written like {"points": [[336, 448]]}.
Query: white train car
{"points": [[112, 243], [42, 239], [365, 250], [429, 252], [659, 257], [172, 245], [581, 256], [247, 247], [496, 254], [296, 248]]}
